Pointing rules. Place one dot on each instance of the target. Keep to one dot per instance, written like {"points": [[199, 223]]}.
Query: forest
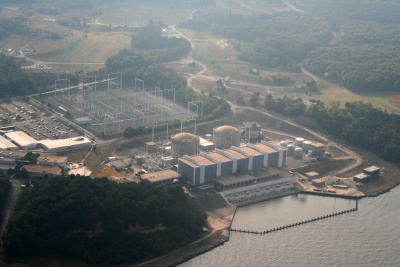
{"points": [[277, 41], [57, 7], [363, 125], [365, 56], [353, 43], [101, 222], [5, 187], [159, 48], [13, 81]]}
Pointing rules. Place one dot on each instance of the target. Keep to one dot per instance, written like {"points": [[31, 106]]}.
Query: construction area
{"points": [[100, 103]]}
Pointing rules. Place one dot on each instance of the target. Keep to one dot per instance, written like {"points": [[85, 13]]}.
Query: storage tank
{"points": [[226, 136], [184, 144], [298, 152], [167, 150], [306, 145], [290, 149], [299, 141], [283, 143], [309, 153]]}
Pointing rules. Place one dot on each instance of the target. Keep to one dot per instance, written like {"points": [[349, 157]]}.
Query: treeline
{"points": [[13, 81], [285, 105], [279, 40], [100, 221], [12, 26], [161, 48], [363, 125], [358, 123], [5, 187], [57, 7], [341, 13], [365, 57]]}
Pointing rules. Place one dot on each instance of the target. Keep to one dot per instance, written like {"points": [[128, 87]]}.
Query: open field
{"points": [[390, 101], [76, 156], [249, 7], [107, 171], [138, 15], [97, 47], [74, 48], [94, 156]]}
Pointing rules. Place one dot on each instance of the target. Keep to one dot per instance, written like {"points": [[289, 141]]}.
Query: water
{"points": [[367, 237]]}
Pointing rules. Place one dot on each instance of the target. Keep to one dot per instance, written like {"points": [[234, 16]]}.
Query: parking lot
{"points": [[40, 125]]}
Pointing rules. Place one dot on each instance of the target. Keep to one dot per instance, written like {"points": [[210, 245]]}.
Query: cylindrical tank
{"points": [[299, 141], [290, 149], [283, 143], [226, 136], [167, 150], [184, 144], [298, 152], [309, 153], [306, 145]]}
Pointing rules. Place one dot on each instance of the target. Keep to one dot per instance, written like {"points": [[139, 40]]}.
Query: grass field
{"points": [[139, 15]]}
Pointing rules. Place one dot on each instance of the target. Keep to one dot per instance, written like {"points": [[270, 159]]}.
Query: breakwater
{"points": [[324, 194], [297, 223]]}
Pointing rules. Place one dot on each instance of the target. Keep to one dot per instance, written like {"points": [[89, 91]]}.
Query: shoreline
{"points": [[225, 238]]}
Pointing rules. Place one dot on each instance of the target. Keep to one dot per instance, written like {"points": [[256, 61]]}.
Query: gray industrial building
{"points": [[368, 174], [252, 130], [224, 163], [197, 169], [204, 168]]}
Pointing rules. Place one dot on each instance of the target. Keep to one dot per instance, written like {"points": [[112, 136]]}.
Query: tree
{"points": [[23, 174], [254, 99]]}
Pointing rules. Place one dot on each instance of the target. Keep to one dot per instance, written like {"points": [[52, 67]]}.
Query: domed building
{"points": [[184, 144], [226, 136]]}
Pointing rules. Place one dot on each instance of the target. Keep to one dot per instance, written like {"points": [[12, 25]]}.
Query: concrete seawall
{"points": [[268, 197], [329, 194]]}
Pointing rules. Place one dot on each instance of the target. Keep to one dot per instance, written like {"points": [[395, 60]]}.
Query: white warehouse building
{"points": [[22, 140], [6, 144], [60, 145]]}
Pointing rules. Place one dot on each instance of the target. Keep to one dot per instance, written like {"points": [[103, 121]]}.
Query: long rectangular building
{"points": [[207, 167], [22, 140]]}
